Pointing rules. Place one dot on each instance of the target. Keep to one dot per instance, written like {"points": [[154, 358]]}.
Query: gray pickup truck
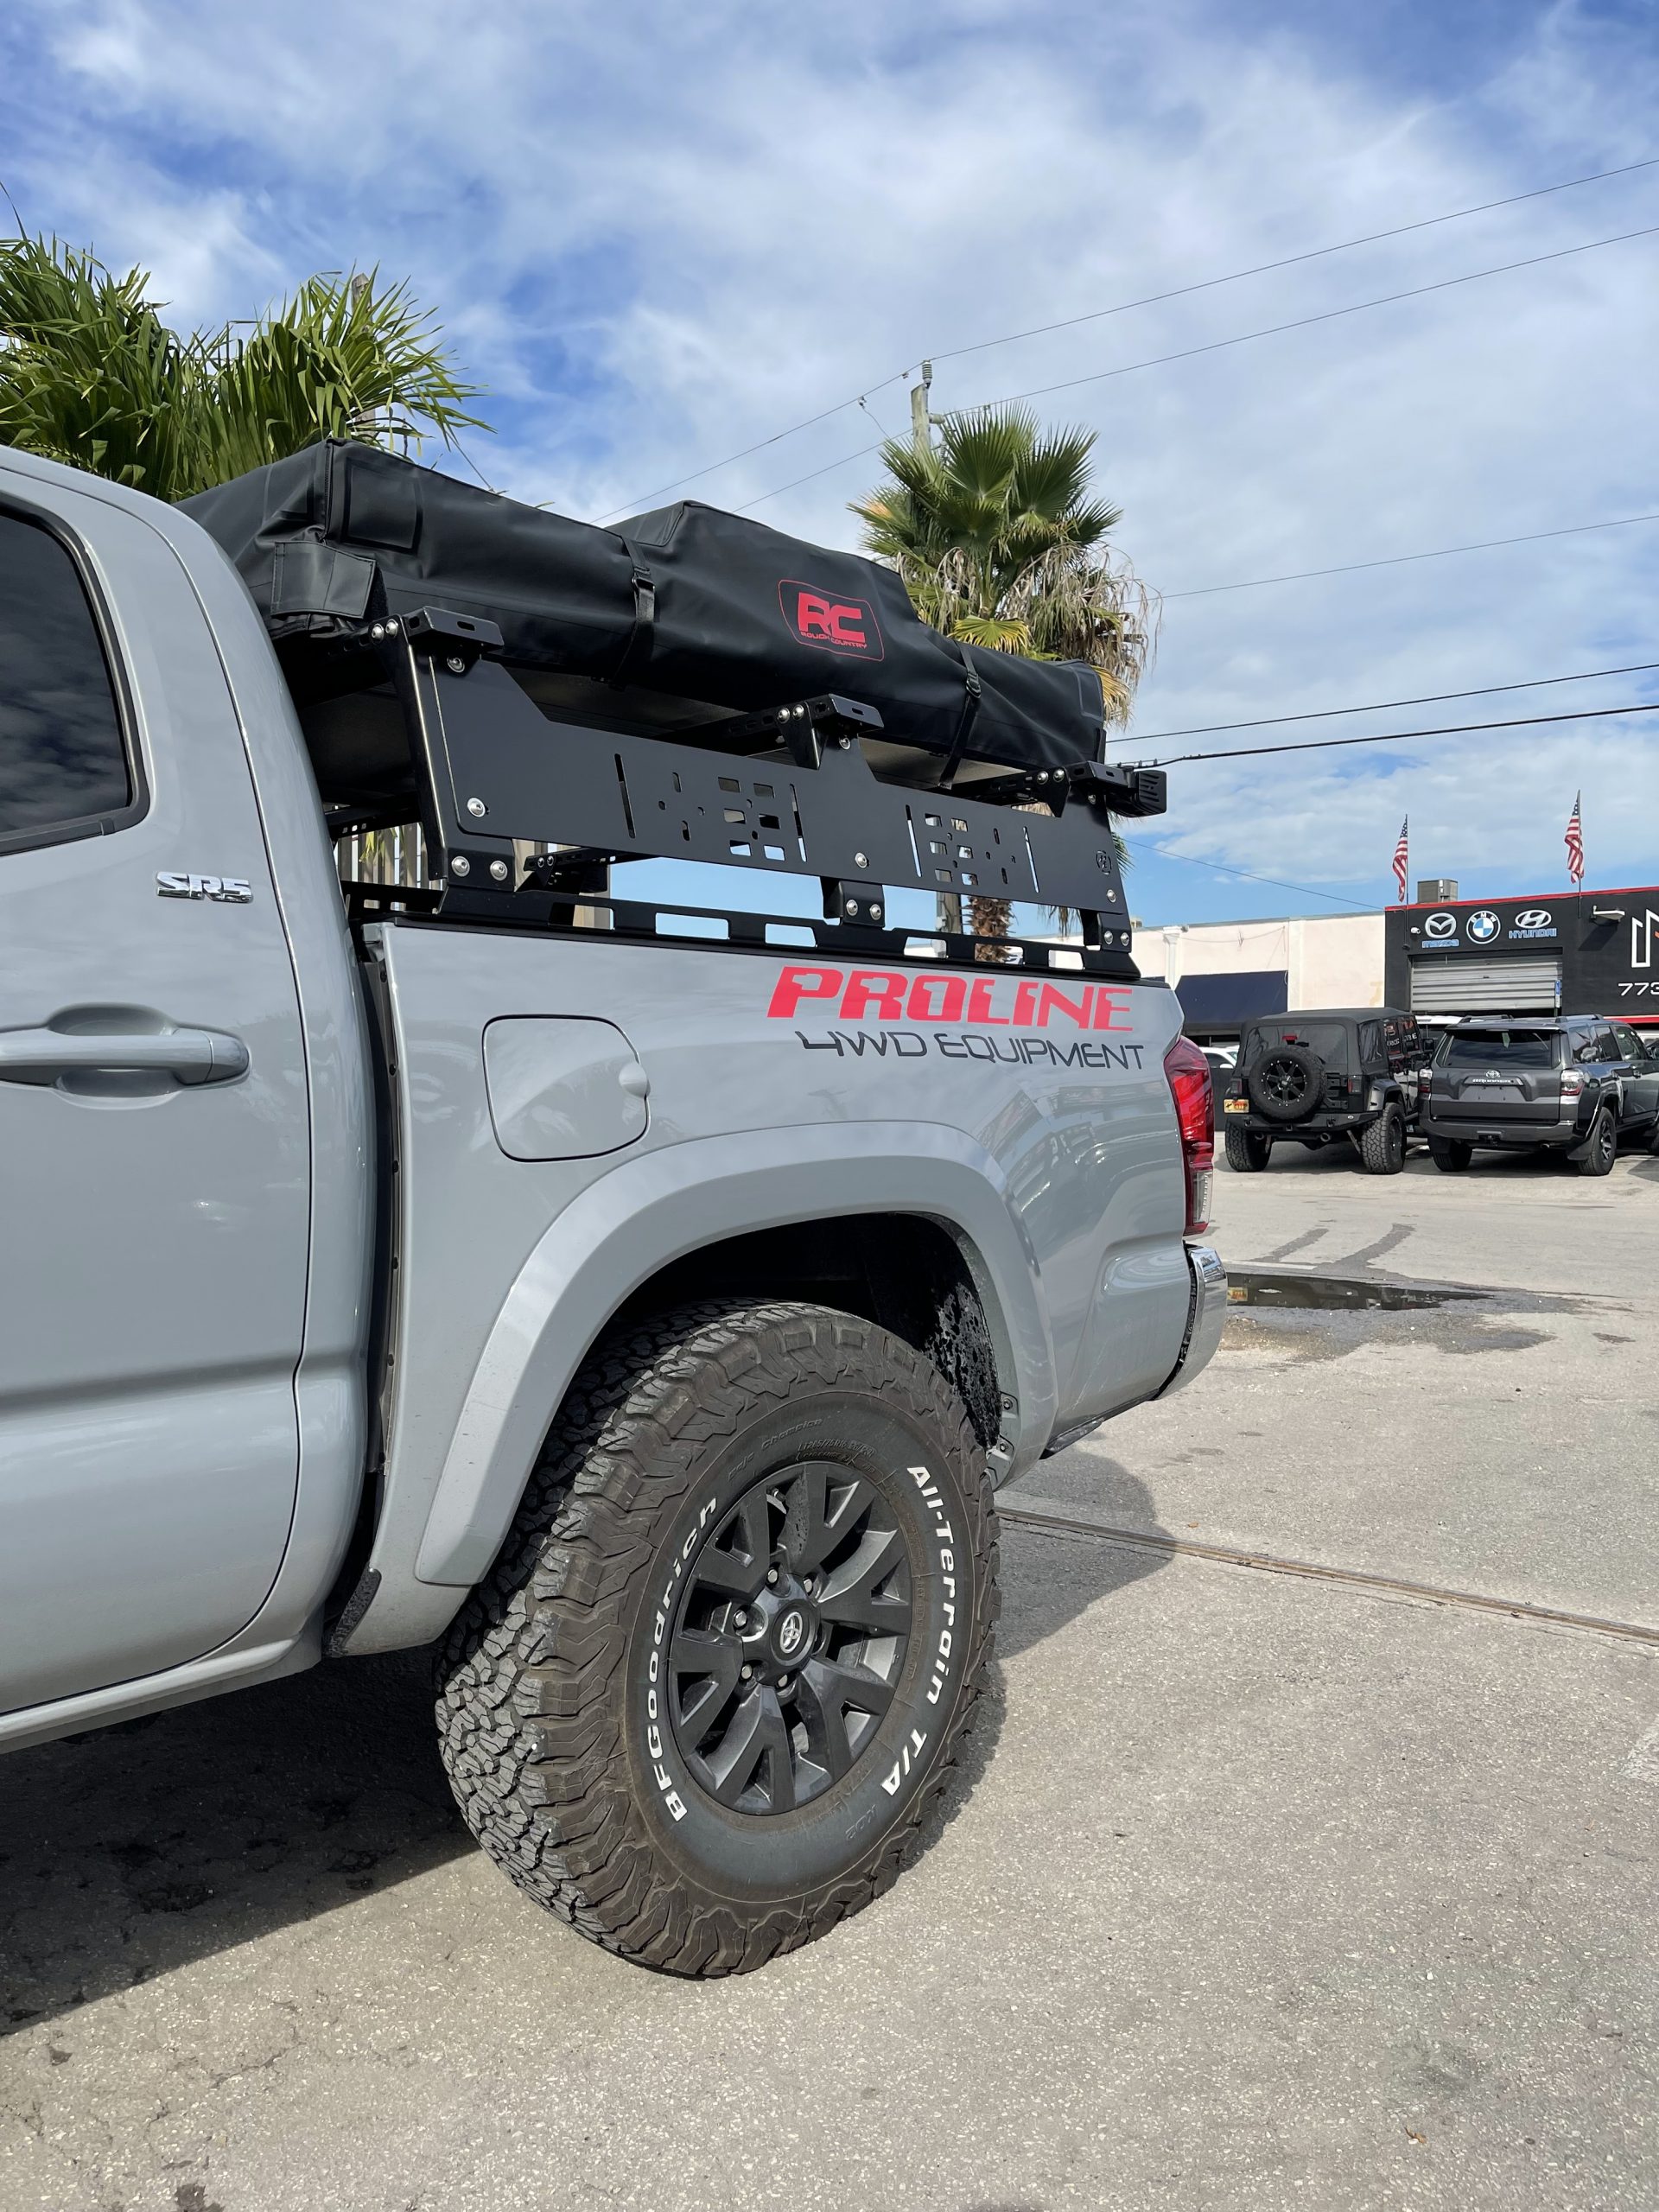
{"points": [[641, 1321]]}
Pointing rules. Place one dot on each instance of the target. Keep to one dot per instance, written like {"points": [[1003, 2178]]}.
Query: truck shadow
{"points": [[1047, 1581], [138, 1849], [132, 1850]]}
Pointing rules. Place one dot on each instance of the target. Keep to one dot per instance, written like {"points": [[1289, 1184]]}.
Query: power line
{"points": [[1124, 306], [1398, 560], [777, 437], [473, 466], [1303, 322], [1289, 261], [1278, 882], [1221, 345], [828, 466], [1395, 736], [1379, 706]]}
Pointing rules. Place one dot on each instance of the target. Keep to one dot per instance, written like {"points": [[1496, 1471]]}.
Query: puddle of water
{"points": [[1288, 1287]]}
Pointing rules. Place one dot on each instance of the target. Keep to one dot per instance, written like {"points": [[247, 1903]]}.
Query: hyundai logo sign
{"points": [[1440, 926], [1532, 922], [1483, 926]]}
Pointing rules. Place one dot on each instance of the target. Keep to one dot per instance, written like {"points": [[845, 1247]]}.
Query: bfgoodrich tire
{"points": [[720, 1672]]}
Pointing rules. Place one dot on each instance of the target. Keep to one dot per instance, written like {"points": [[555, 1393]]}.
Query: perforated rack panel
{"points": [[493, 769]]}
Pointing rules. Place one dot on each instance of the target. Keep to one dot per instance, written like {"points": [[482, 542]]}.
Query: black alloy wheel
{"points": [[1287, 1083], [701, 1705], [790, 1632]]}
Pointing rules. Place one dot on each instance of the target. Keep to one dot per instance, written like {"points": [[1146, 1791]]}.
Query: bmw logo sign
{"points": [[1483, 926], [1441, 926]]}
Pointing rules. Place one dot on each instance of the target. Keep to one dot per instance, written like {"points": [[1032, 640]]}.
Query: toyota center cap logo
{"points": [[790, 1630], [1483, 926], [1441, 926]]}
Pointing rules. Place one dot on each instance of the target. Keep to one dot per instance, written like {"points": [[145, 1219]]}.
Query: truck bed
{"points": [[570, 1114]]}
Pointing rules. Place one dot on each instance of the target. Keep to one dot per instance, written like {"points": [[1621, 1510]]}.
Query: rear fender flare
{"points": [[660, 1207]]}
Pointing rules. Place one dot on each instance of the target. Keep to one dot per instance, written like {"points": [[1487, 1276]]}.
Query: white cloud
{"points": [[659, 236]]}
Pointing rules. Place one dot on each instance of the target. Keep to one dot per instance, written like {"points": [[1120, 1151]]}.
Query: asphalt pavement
{"points": [[1264, 1887]]}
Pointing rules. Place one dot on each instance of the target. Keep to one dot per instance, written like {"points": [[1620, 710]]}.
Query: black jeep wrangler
{"points": [[1344, 1074]]}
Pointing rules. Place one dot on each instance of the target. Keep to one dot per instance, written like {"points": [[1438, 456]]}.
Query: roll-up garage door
{"points": [[1486, 986]]}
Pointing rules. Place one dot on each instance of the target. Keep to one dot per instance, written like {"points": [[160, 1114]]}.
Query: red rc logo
{"points": [[834, 626]]}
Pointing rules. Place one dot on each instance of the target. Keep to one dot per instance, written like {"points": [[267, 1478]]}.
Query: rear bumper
{"points": [[1329, 1121], [1205, 1315], [1562, 1134]]}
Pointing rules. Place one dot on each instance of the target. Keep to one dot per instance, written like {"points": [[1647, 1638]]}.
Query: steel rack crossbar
{"points": [[789, 791], [660, 921]]}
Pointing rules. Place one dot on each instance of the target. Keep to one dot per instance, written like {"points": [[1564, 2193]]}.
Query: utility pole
{"points": [[921, 433], [948, 914]]}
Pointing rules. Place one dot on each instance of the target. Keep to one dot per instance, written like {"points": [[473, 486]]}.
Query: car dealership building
{"points": [[1589, 952], [1576, 952]]}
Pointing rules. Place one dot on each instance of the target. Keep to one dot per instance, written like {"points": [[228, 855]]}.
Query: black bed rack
{"points": [[786, 790], [660, 921]]}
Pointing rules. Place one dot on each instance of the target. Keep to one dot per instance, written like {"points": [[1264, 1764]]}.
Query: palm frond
{"points": [[89, 374], [1000, 544], [997, 632]]}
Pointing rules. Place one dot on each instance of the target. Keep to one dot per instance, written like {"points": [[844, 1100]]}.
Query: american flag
{"points": [[1575, 842], [1400, 863]]}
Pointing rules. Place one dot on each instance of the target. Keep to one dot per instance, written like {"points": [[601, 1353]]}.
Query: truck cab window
{"points": [[63, 764]]}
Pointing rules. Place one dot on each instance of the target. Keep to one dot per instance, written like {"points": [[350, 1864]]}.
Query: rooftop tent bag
{"points": [[686, 603]]}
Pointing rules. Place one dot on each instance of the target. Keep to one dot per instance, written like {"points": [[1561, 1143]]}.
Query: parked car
{"points": [[1337, 1076], [1575, 1084], [640, 1324]]}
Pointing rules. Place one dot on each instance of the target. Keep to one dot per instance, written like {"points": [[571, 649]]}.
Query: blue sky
{"points": [[657, 236]]}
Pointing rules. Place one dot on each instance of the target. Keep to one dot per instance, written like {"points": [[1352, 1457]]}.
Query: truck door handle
{"points": [[189, 1055]]}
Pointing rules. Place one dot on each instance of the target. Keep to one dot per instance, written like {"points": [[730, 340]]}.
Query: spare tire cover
{"points": [[1287, 1083]]}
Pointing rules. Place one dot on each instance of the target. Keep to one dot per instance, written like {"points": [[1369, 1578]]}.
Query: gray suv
{"points": [[1575, 1084]]}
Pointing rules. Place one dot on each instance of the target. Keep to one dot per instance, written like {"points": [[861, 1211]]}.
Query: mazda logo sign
{"points": [[1441, 926]]}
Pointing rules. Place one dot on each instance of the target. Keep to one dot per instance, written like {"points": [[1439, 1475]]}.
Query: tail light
{"points": [[1425, 1077], [1190, 1086], [1572, 1082]]}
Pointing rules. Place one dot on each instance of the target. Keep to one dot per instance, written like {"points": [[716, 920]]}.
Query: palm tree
{"points": [[90, 375], [1000, 544]]}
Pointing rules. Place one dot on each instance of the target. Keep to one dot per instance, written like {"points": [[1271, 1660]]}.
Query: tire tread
{"points": [[529, 1703]]}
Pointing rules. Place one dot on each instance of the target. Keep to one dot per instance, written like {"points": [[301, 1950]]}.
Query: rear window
{"points": [[63, 763], [1328, 1038], [1517, 1048]]}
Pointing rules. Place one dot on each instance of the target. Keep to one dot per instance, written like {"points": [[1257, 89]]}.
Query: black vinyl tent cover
{"points": [[671, 618]]}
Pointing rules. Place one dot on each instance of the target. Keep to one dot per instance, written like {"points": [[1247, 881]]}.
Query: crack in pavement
{"points": [[1050, 1517]]}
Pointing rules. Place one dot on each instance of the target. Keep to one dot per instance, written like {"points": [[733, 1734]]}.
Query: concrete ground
{"points": [[1262, 1890]]}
